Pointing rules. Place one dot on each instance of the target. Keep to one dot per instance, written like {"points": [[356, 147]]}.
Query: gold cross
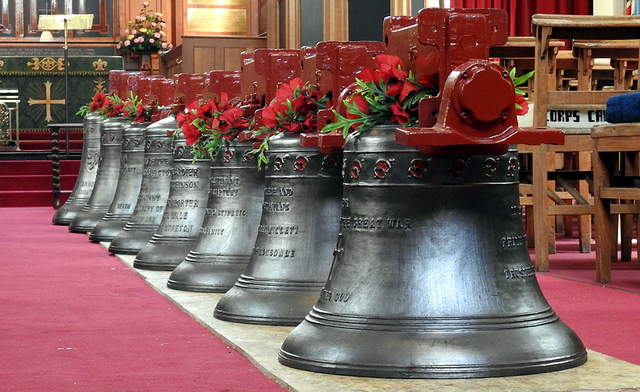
{"points": [[47, 101]]}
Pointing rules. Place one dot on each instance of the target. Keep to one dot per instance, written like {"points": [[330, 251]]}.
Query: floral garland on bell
{"points": [[105, 105], [206, 126], [294, 109], [384, 95], [387, 94], [134, 111]]}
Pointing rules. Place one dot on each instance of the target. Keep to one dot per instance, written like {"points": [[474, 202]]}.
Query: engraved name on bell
{"points": [[278, 229], [86, 187], [328, 295], [221, 186], [354, 222], [227, 213], [282, 191]]}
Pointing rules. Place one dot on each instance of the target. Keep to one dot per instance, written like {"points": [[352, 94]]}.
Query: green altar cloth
{"points": [[40, 82]]}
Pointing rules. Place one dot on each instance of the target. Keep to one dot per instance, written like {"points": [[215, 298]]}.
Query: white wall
{"points": [[608, 7]]}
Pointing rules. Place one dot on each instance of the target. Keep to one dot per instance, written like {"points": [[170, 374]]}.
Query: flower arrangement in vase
{"points": [[144, 34]]}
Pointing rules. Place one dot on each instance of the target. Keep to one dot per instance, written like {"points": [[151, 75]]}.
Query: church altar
{"points": [[40, 82]]}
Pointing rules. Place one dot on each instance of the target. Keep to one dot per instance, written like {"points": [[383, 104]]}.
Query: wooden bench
{"points": [[577, 27]]}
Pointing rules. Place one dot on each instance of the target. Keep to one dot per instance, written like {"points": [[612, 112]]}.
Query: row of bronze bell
{"points": [[422, 253]]}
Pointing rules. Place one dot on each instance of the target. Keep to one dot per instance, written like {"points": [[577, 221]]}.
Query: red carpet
{"points": [[28, 183], [75, 318]]}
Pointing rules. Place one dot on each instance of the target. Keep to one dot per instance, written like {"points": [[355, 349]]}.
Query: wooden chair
{"points": [[545, 28], [616, 180]]}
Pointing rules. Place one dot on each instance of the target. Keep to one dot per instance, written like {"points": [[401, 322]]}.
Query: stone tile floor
{"points": [[261, 343]]}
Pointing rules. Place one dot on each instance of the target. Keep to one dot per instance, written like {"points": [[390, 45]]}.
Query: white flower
{"points": [[151, 40], [118, 46], [127, 43], [145, 4], [164, 45], [157, 35], [153, 24], [126, 31]]}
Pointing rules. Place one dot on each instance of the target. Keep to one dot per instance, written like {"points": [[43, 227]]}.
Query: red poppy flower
{"points": [[191, 133], [271, 112], [399, 116], [361, 104], [384, 62], [370, 75], [524, 104], [394, 89], [285, 91], [407, 88], [231, 115]]}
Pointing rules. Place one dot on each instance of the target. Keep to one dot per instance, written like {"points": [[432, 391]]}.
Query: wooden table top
{"points": [[588, 26]]}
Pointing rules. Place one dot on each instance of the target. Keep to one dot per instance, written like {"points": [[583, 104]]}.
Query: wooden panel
{"points": [[201, 54], [629, 143], [232, 58], [620, 193], [559, 98], [624, 208], [571, 210]]}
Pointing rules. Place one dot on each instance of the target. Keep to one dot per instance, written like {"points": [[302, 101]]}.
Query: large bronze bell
{"points": [[432, 267], [234, 206], [131, 165], [87, 172], [292, 253], [183, 212], [171, 95], [154, 189], [230, 225], [186, 201], [106, 178], [120, 83], [431, 276], [128, 185]]}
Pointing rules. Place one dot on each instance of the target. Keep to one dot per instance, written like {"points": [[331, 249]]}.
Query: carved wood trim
{"points": [[6, 21], [400, 7], [103, 27], [273, 24], [19, 7], [33, 16], [292, 24], [336, 20]]}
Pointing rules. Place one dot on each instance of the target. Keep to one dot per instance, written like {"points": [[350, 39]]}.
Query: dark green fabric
{"points": [[32, 75]]}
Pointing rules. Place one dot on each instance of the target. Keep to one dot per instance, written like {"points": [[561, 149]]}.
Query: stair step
{"points": [[45, 145], [74, 135], [35, 167], [29, 199], [35, 182]]}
